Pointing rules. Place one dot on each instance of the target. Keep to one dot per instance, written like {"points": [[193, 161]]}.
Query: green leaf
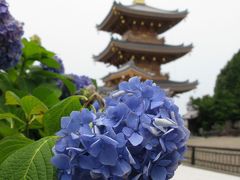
{"points": [[53, 94], [50, 62], [5, 130], [68, 83], [12, 74], [25, 85], [12, 98], [34, 51], [47, 54], [32, 106], [11, 144], [51, 119], [31, 50], [5, 82], [11, 116], [30, 162], [36, 124]]}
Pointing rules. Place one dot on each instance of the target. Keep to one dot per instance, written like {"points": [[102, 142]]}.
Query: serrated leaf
{"points": [[12, 117], [5, 83], [12, 74], [51, 119], [68, 83], [11, 144], [31, 50], [5, 130], [24, 85], [53, 94], [50, 62], [30, 162], [32, 106], [12, 98]]}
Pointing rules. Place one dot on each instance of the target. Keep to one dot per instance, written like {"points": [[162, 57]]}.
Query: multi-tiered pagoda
{"points": [[140, 51]]}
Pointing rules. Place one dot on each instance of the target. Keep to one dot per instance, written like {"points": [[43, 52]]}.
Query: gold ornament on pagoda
{"points": [[139, 1]]}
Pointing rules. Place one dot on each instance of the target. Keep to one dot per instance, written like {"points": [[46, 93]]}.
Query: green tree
{"points": [[227, 89], [224, 105]]}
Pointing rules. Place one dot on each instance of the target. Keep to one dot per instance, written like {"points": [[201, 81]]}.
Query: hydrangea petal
{"points": [[144, 118], [61, 161], [86, 116], [108, 155], [134, 103], [89, 163], [135, 139], [121, 140], [95, 148], [65, 122], [147, 92], [155, 104], [132, 121], [134, 83], [121, 168], [158, 173], [124, 86], [164, 163]]}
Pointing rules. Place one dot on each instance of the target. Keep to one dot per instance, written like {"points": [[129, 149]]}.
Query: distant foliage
{"points": [[227, 89], [206, 116], [224, 105]]}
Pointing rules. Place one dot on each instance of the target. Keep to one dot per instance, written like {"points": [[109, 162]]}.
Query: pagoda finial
{"points": [[139, 1]]}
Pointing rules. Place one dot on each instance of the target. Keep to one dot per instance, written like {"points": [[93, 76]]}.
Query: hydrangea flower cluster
{"points": [[80, 81], [11, 32], [140, 135], [60, 70]]}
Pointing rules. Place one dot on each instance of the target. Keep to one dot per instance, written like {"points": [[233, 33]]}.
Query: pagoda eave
{"points": [[171, 87], [177, 87], [131, 69], [156, 19], [119, 52]]}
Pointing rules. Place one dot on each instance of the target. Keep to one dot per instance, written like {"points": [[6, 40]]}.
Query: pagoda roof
{"points": [[140, 12], [176, 87], [162, 52], [173, 87], [132, 68]]}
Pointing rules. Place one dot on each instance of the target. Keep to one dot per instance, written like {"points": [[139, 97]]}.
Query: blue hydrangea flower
{"points": [[60, 70], [152, 126], [86, 150], [80, 81], [140, 135], [11, 32]]}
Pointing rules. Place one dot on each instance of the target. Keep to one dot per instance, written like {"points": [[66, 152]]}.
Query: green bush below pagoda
{"points": [[224, 106]]}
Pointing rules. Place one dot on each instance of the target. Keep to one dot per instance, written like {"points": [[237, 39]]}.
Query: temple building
{"points": [[141, 51]]}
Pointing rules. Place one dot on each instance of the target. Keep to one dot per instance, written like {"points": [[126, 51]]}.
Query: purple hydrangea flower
{"points": [[11, 32], [140, 135], [60, 70], [80, 81]]}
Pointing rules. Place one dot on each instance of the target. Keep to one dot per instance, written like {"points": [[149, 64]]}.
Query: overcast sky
{"points": [[68, 27]]}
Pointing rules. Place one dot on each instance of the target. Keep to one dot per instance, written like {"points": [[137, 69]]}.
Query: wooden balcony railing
{"points": [[225, 160]]}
